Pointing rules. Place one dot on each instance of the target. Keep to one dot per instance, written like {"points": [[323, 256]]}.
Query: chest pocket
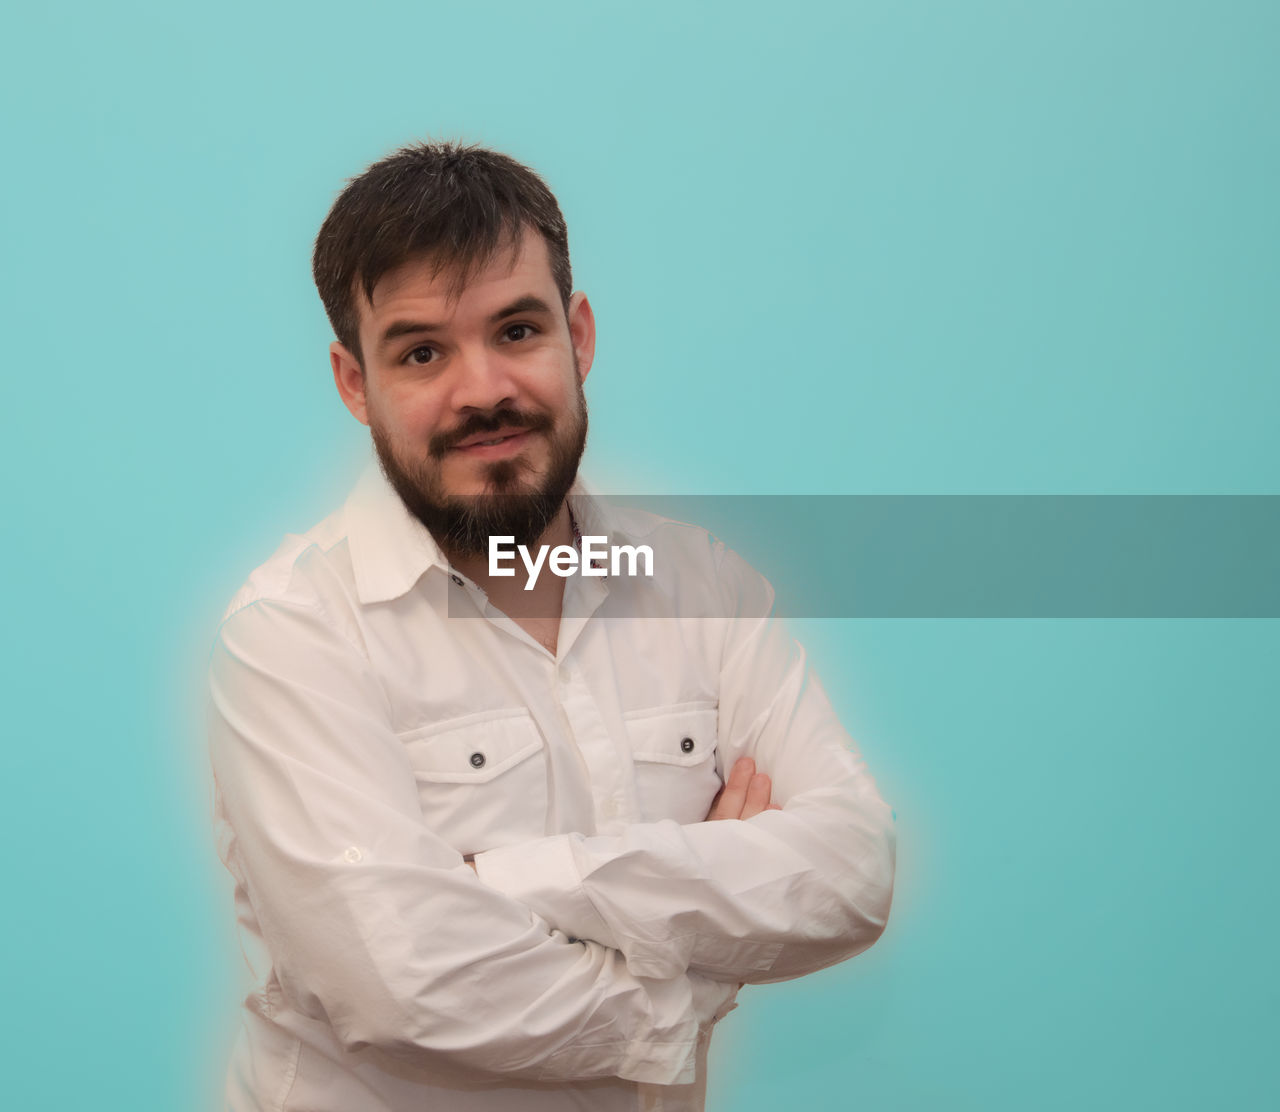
{"points": [[482, 780], [675, 767]]}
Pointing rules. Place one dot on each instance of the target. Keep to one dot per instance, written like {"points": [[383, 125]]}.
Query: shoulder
{"points": [[307, 571]]}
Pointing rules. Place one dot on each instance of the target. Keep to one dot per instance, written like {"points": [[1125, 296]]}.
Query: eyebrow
{"points": [[527, 304]]}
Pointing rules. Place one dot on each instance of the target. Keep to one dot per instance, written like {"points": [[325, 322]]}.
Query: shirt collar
{"points": [[391, 549]]}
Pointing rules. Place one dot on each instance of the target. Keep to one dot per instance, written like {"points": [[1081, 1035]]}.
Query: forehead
{"points": [[523, 265]]}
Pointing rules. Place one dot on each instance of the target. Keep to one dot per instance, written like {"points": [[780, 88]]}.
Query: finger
{"points": [[728, 804], [758, 793], [774, 807]]}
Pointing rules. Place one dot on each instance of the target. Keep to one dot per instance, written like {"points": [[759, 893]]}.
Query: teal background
{"points": [[867, 248]]}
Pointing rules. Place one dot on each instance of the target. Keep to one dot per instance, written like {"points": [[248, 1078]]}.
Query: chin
{"points": [[507, 476]]}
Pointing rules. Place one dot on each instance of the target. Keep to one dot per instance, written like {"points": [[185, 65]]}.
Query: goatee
{"points": [[463, 524]]}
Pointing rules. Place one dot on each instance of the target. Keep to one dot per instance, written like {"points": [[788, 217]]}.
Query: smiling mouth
{"points": [[494, 446]]}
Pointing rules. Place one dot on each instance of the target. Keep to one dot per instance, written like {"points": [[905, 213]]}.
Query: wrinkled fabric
{"points": [[375, 723]]}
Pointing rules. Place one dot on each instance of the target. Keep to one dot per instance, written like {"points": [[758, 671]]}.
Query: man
{"points": [[504, 842]]}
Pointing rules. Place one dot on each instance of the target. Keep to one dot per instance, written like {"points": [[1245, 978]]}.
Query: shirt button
{"points": [[477, 760], [686, 745], [457, 579], [353, 855]]}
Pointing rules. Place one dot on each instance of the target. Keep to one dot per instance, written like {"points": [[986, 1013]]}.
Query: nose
{"points": [[482, 380]]}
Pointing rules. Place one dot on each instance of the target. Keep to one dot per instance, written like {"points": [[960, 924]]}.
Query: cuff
{"points": [[542, 875], [651, 1063]]}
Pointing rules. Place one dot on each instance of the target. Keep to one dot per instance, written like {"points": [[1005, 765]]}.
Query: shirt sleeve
{"points": [[773, 897], [373, 923]]}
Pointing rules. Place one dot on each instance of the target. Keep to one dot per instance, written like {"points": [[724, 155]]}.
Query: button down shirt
{"points": [[375, 721]]}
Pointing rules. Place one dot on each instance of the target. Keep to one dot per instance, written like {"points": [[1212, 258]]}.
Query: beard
{"points": [[512, 506]]}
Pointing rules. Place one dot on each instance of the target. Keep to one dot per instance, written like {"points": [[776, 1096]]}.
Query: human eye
{"points": [[420, 356], [517, 332]]}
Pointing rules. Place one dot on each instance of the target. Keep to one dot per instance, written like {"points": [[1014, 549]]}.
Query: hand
{"points": [[745, 793]]}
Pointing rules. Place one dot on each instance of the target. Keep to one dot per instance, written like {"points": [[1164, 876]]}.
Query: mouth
{"points": [[490, 446]]}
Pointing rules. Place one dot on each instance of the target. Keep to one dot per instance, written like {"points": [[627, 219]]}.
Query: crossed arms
{"points": [[567, 957]]}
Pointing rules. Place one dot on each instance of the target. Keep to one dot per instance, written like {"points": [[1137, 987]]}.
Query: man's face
{"points": [[474, 400]]}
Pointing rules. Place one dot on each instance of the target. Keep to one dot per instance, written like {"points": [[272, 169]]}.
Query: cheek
{"points": [[558, 396], [411, 419]]}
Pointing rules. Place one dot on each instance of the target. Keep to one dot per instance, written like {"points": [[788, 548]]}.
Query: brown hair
{"points": [[454, 206]]}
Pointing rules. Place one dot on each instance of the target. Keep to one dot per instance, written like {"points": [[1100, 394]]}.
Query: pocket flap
{"points": [[473, 750], [678, 735]]}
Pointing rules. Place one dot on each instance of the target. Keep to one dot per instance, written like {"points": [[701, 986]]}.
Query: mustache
{"points": [[505, 417]]}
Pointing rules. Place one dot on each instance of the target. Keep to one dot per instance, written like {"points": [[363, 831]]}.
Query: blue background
{"points": [[861, 248]]}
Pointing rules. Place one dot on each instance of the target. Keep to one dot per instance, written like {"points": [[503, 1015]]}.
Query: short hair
{"points": [[453, 206]]}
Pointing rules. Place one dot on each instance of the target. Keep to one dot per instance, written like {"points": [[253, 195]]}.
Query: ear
{"points": [[582, 331], [349, 377]]}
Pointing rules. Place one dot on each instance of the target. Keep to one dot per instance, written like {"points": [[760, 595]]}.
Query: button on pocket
{"points": [[674, 749], [482, 780]]}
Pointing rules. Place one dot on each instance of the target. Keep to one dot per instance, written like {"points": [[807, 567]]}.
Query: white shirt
{"points": [[374, 719]]}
